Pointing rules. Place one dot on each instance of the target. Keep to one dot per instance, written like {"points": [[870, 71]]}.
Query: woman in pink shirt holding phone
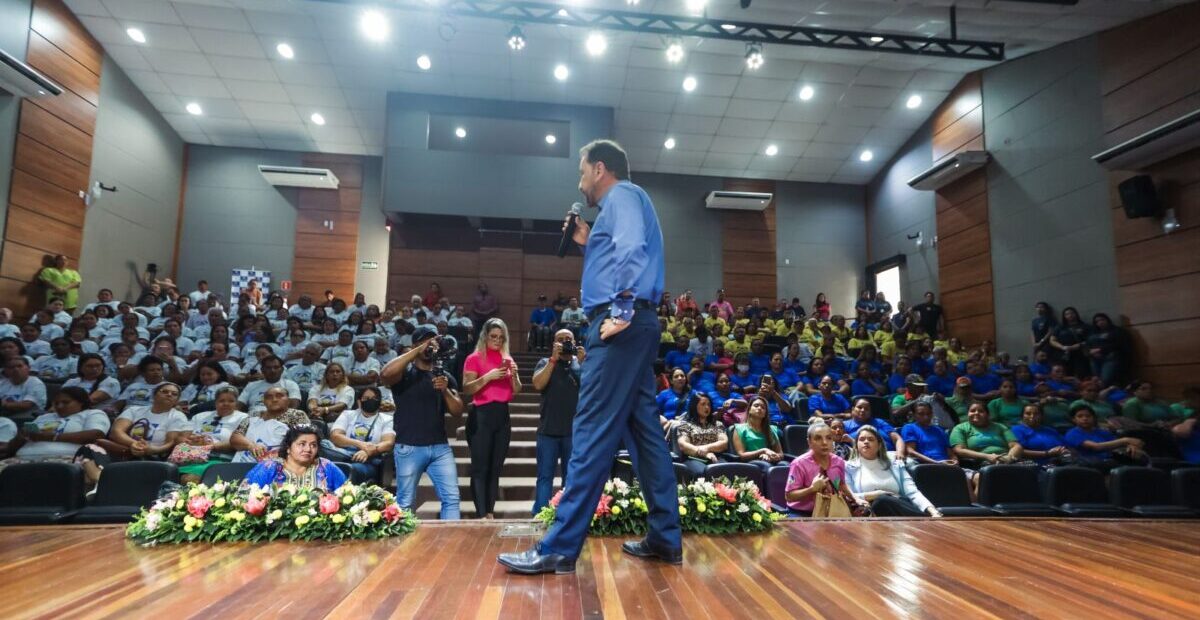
{"points": [[489, 376]]}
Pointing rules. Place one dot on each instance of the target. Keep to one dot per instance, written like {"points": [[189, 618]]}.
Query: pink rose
{"points": [[391, 513], [329, 504], [557, 497], [255, 506], [199, 506], [603, 507], [726, 493]]}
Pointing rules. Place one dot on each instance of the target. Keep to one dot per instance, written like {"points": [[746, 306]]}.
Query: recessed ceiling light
{"points": [[806, 93], [772, 150], [551, 138], [913, 102], [876, 39], [374, 25], [562, 12], [561, 73], [461, 132], [631, 2], [317, 118], [596, 44], [136, 34], [696, 5], [285, 51], [675, 51], [194, 108], [669, 144], [689, 83], [516, 38], [866, 155], [423, 62]]}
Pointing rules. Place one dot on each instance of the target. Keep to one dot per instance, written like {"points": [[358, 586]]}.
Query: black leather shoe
{"points": [[643, 549], [534, 562]]}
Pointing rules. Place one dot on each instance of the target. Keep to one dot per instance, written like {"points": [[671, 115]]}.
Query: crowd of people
{"points": [[190, 378]]}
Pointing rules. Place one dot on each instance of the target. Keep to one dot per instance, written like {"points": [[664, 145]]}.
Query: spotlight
{"points": [[136, 34], [675, 51], [388, 226], [806, 93], [317, 118], [194, 109], [876, 39], [866, 155], [460, 132], [285, 51], [669, 144], [551, 138], [374, 25], [772, 150], [561, 73], [516, 38], [689, 83], [913, 102], [596, 44], [754, 56], [696, 5], [423, 62]]}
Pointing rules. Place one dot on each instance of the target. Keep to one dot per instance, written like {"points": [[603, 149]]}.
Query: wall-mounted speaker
{"points": [[1139, 197]]}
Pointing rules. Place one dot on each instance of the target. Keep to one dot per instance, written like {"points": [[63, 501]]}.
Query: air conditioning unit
{"points": [[742, 201], [21, 80], [950, 170], [288, 176], [1158, 144]]}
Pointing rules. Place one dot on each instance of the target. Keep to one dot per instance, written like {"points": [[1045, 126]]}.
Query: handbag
{"points": [[830, 506], [187, 454]]}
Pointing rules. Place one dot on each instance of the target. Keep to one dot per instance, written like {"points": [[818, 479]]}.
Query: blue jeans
{"points": [[363, 472], [552, 453], [437, 461]]}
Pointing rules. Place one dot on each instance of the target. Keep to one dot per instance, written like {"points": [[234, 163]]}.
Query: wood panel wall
{"points": [[748, 247], [1148, 75], [326, 255], [53, 155], [964, 237]]}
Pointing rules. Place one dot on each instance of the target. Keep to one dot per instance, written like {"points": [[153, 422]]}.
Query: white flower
{"points": [[219, 487], [743, 508], [621, 486], [623, 503], [608, 487], [152, 521]]}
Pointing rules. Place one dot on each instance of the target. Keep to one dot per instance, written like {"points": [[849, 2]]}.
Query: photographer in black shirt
{"points": [[423, 393], [557, 378]]}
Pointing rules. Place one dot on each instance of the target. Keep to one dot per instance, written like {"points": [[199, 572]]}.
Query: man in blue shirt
{"points": [[680, 357], [623, 276], [541, 321]]}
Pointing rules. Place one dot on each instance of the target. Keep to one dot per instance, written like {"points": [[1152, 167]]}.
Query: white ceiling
{"points": [[221, 54]]}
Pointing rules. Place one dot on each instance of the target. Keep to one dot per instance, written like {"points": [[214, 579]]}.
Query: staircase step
{"points": [[504, 510], [513, 467], [519, 433], [511, 489], [527, 449]]}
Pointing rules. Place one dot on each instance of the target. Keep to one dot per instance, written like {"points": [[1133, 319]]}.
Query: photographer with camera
{"points": [[423, 392], [557, 378], [490, 377]]}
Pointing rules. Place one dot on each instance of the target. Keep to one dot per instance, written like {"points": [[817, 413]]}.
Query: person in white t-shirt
{"points": [[303, 310], [200, 294], [272, 373], [59, 365], [214, 429], [361, 437], [31, 339], [381, 352], [57, 436], [309, 371], [363, 369], [101, 388], [22, 396], [341, 352], [210, 379], [50, 330], [259, 436], [148, 432], [332, 396], [140, 392], [7, 329]]}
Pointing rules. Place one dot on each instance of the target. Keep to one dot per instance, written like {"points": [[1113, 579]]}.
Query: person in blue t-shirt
{"points": [[925, 442], [1026, 384], [742, 378], [679, 357], [760, 361], [673, 401], [701, 380], [864, 383], [860, 416], [1041, 365], [1040, 443], [827, 403], [818, 371], [1062, 386], [779, 410], [984, 385], [718, 362], [942, 380], [724, 392], [1097, 447], [897, 380], [541, 322], [785, 379]]}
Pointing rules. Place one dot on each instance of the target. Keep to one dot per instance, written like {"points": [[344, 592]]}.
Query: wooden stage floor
{"points": [[834, 569]]}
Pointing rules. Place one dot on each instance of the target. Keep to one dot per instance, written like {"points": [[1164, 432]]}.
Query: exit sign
{"points": [[368, 265]]}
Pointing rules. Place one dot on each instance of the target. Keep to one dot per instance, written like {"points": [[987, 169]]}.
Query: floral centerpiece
{"points": [[230, 512], [705, 507]]}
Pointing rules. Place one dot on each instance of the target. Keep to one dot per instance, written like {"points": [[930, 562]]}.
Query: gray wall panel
{"points": [[819, 242], [14, 37], [372, 236]]}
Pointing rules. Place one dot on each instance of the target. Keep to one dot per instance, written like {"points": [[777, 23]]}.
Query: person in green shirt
{"points": [[756, 440], [980, 439], [1055, 409], [1007, 408], [61, 282], [960, 400], [1148, 409], [1187, 407], [1090, 395]]}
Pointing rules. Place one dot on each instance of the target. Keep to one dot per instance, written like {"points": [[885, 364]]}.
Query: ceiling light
{"points": [[675, 51], [317, 119], [913, 102], [754, 56], [696, 5], [374, 25], [285, 51], [689, 83], [631, 2], [423, 62], [562, 13], [866, 155], [561, 72], [669, 144], [460, 132], [772, 150], [551, 138], [876, 39], [516, 38], [136, 34], [728, 27], [596, 44], [194, 108], [806, 93]]}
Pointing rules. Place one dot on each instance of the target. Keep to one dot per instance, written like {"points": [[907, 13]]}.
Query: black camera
{"points": [[446, 350], [568, 348]]}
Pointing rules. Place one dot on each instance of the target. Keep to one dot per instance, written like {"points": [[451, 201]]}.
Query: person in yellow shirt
{"points": [[738, 344], [713, 321], [665, 334], [859, 340], [740, 319], [885, 333], [955, 352], [687, 327], [837, 324]]}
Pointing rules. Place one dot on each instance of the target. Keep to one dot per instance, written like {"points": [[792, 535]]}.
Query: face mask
{"points": [[743, 368], [370, 405]]}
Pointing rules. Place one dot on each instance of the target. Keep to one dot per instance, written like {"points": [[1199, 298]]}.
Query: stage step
{"points": [[504, 510], [519, 433], [511, 489], [519, 449], [513, 467]]}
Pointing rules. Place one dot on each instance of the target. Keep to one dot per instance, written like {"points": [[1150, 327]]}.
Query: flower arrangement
{"points": [[705, 507], [229, 512]]}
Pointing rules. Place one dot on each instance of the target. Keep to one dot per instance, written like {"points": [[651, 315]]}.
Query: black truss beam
{"points": [[703, 27]]}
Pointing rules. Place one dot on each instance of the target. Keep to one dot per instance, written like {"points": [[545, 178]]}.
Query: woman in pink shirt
{"points": [[490, 376], [817, 471]]}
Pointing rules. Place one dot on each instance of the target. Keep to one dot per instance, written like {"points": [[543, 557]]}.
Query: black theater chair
{"points": [[229, 472], [777, 487], [1014, 491], [737, 470], [682, 475], [946, 487], [1080, 492], [124, 489], [1185, 488], [1145, 492], [795, 439], [40, 493]]}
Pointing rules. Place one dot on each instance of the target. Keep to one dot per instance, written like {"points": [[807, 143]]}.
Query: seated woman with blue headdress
{"points": [[297, 464]]}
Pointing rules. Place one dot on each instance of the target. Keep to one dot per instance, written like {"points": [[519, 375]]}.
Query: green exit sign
{"points": [[368, 265]]}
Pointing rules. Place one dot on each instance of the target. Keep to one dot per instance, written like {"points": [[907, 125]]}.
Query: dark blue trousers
{"points": [[616, 401]]}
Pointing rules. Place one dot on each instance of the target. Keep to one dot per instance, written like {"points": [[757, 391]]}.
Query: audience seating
{"points": [[777, 487], [40, 493], [229, 472], [738, 470], [795, 439], [1185, 488], [1080, 492], [946, 487], [1145, 492], [347, 469], [1013, 491], [124, 489], [881, 408], [682, 475]]}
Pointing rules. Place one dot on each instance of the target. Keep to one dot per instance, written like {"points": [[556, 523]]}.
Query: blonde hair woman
{"points": [[490, 376], [332, 395]]}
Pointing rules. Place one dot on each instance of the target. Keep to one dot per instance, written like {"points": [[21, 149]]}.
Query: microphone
{"points": [[566, 240]]}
